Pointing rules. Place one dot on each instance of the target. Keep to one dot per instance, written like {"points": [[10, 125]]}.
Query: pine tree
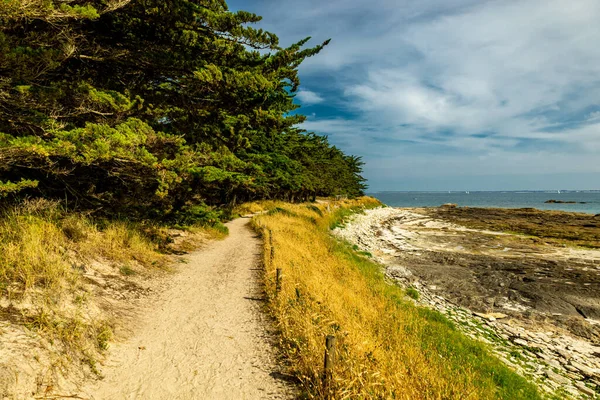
{"points": [[152, 108]]}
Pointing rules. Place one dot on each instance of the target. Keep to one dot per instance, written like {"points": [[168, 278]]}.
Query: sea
{"points": [[586, 201]]}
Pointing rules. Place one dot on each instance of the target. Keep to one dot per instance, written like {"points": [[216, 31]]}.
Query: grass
{"points": [[253, 207], [44, 252], [387, 347], [412, 293]]}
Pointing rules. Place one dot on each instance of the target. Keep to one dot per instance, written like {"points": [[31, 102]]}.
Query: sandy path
{"points": [[205, 337]]}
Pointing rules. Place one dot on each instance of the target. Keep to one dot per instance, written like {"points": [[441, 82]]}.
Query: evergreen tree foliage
{"points": [[155, 108]]}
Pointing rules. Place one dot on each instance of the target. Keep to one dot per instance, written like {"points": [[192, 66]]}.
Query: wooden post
{"points": [[278, 281], [271, 245], [329, 361]]}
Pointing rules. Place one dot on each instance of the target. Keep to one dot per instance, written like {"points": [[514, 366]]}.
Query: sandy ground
{"points": [[205, 337]]}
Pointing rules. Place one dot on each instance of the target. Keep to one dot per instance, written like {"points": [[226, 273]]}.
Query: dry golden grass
{"points": [[387, 348], [254, 207], [40, 245], [44, 252]]}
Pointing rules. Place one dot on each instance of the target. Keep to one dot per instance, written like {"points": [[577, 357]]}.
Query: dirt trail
{"points": [[205, 337]]}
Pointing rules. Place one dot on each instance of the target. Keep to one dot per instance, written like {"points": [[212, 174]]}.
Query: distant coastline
{"points": [[560, 191], [582, 201]]}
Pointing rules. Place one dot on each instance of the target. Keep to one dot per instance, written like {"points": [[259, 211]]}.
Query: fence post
{"points": [[278, 281], [329, 362], [271, 246]]}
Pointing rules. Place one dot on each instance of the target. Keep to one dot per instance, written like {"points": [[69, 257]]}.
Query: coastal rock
{"points": [[449, 205], [585, 370], [564, 354], [399, 272], [563, 202], [491, 316], [584, 389], [552, 201], [557, 378], [520, 342]]}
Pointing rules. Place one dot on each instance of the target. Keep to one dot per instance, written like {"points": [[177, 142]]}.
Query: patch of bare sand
{"points": [[204, 337]]}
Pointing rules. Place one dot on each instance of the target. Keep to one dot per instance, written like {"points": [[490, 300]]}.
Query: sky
{"points": [[452, 94]]}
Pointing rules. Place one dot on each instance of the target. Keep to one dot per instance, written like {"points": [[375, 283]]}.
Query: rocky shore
{"points": [[530, 300]]}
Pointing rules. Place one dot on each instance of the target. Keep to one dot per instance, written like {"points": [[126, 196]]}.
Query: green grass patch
{"points": [[412, 293]]}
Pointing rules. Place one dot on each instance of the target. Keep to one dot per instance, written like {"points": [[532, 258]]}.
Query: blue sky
{"points": [[452, 94]]}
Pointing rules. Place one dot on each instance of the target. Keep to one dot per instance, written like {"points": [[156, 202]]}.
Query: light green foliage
{"points": [[7, 188], [77, 11]]}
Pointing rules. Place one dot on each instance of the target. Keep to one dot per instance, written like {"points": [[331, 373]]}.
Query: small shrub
{"points": [[221, 229], [104, 337], [315, 209], [74, 228], [127, 270], [200, 215], [412, 293]]}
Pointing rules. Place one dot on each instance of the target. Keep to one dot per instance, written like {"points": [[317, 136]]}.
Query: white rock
{"points": [[520, 342]]}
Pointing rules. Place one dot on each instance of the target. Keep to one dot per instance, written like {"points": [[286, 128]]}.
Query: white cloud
{"points": [[487, 85], [308, 97], [485, 69], [594, 116]]}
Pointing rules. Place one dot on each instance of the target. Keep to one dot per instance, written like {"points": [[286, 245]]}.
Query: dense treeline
{"points": [[155, 108]]}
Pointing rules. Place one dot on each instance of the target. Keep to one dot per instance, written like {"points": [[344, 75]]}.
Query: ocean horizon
{"points": [[585, 201]]}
